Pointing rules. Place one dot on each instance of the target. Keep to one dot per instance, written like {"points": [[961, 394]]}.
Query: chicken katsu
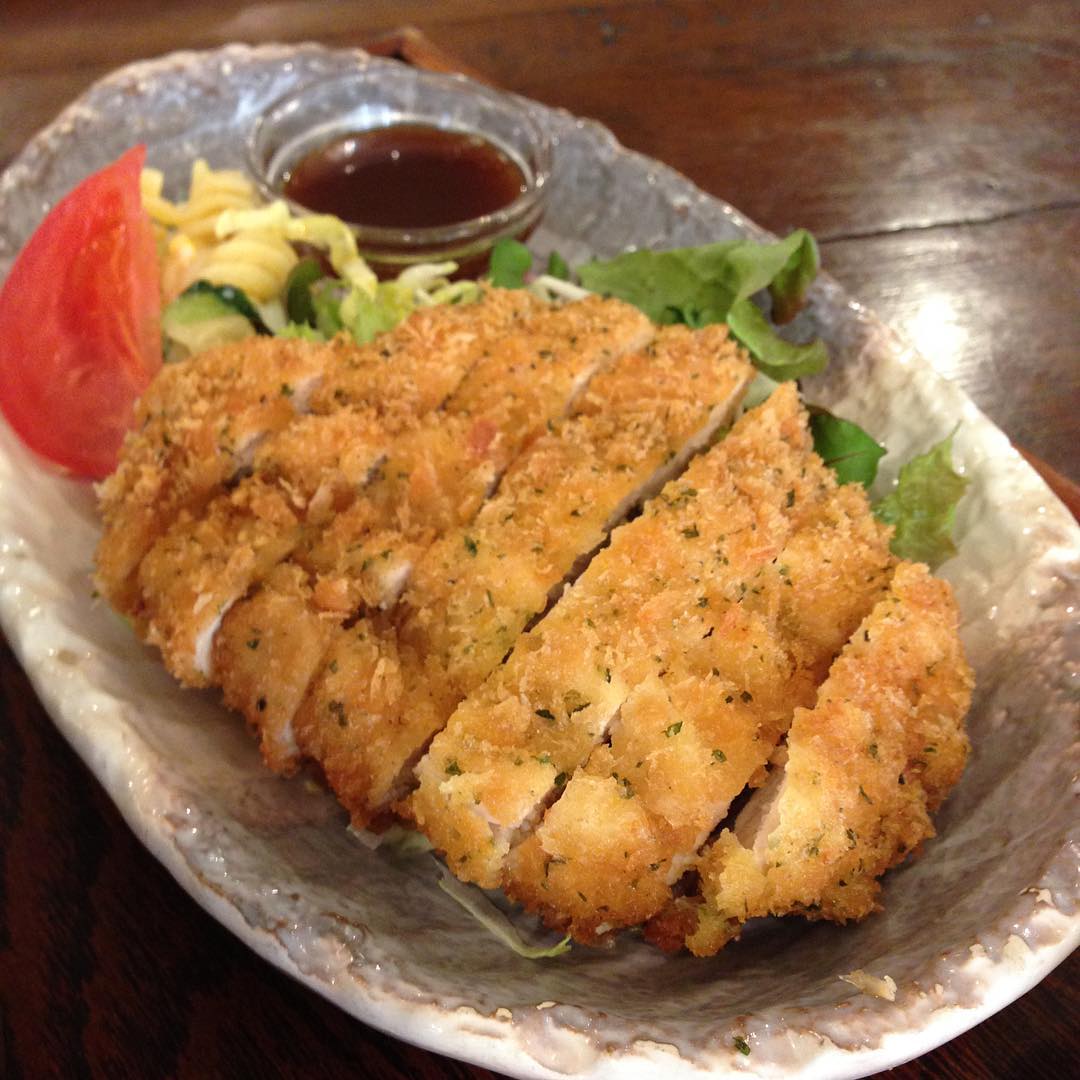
{"points": [[516, 573]]}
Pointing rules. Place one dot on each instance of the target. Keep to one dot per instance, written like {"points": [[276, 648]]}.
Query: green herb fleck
{"points": [[673, 729]]}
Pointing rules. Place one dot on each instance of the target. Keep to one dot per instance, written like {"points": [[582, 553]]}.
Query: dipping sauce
{"points": [[406, 176]]}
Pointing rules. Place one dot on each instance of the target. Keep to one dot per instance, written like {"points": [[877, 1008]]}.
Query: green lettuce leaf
{"points": [[301, 331], [369, 318], [848, 450], [699, 285], [713, 283], [510, 262], [326, 297], [789, 287], [922, 506], [557, 267], [777, 358]]}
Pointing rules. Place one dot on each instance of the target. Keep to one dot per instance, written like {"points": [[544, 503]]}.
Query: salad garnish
{"points": [[851, 453], [922, 506]]}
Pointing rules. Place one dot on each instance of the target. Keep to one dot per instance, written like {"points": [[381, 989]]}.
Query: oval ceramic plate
{"points": [[987, 911]]}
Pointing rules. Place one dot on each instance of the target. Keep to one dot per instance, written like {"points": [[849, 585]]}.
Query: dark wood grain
{"points": [[930, 145]]}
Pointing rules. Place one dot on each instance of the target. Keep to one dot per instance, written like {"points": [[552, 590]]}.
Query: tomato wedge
{"points": [[80, 322]]}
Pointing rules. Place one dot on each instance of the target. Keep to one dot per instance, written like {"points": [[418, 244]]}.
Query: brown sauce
{"points": [[406, 176]]}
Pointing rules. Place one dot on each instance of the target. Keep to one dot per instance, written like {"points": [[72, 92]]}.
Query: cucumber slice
{"points": [[204, 300], [205, 315]]}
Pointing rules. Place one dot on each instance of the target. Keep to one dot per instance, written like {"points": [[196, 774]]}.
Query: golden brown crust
{"points": [[634, 611], [864, 767], [688, 740], [454, 473]]}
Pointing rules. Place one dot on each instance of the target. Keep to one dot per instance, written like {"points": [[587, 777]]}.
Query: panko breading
{"points": [[440, 475], [416, 563], [853, 792], [195, 428], [479, 585], [440, 470], [271, 645], [202, 565], [687, 742], [638, 609], [200, 422]]}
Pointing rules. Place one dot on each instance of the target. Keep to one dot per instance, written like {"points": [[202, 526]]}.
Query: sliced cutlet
{"points": [[201, 565], [265, 654], [442, 469], [192, 576], [688, 741], [439, 476], [479, 585], [317, 465], [202, 421], [516, 740], [196, 426], [322, 462], [423, 360], [862, 771]]}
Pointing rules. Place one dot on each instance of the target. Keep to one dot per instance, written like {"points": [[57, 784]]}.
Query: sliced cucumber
{"points": [[205, 315], [230, 297]]}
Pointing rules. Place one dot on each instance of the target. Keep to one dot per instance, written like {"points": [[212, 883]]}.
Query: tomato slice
{"points": [[80, 322]]}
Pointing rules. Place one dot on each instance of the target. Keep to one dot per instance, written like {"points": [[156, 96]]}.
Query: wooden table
{"points": [[931, 147]]}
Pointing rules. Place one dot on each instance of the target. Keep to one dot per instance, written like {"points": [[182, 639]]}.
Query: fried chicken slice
{"points": [[862, 772], [686, 743], [202, 565], [196, 426], [201, 422], [266, 652], [318, 464], [478, 586], [416, 366], [441, 470], [635, 611], [439, 476]]}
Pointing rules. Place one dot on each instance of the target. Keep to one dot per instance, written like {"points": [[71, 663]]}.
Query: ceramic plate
{"points": [[987, 911]]}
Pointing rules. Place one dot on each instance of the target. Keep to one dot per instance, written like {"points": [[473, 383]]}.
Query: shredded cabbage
{"points": [[492, 919]]}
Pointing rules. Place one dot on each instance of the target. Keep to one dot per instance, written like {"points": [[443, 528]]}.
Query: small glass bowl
{"points": [[383, 93]]}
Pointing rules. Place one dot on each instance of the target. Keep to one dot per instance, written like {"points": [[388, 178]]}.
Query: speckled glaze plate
{"points": [[989, 908]]}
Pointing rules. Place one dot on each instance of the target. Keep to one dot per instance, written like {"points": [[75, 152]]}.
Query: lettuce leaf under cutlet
{"points": [[713, 283]]}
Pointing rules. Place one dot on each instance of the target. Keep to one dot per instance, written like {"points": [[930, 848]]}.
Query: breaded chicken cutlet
{"points": [[498, 573]]}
